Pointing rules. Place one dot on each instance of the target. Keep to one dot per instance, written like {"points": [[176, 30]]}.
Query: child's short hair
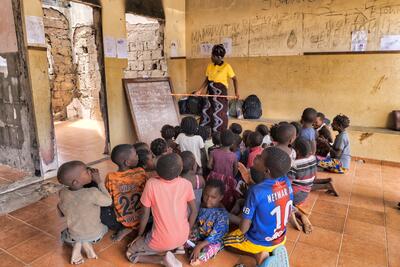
{"points": [[284, 132], [302, 147], [262, 129], [143, 157], [169, 166], [120, 153], [237, 140], [218, 50], [216, 138], [215, 183], [255, 139], [189, 125], [321, 115], [204, 132], [236, 128], [177, 131], [298, 127], [188, 161], [309, 115], [227, 138], [158, 147], [342, 120], [276, 161], [65, 170], [256, 175], [167, 132], [141, 146], [246, 135]]}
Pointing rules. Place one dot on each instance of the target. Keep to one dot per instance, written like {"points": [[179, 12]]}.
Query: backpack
{"points": [[194, 105], [183, 108], [252, 107], [235, 108]]}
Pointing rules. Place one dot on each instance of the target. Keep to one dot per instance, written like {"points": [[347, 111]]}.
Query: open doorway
{"points": [[74, 52], [145, 47]]}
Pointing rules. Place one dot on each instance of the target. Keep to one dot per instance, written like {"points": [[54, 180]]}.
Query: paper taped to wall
{"points": [[35, 31], [359, 40], [206, 49], [390, 42], [122, 48], [110, 47]]}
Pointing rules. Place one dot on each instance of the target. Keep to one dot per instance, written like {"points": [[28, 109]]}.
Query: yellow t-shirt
{"points": [[219, 74]]}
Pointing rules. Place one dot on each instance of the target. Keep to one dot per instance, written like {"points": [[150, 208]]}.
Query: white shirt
{"points": [[193, 144]]}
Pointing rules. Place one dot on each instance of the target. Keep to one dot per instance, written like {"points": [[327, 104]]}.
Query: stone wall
{"points": [[146, 50], [87, 103], [62, 72]]}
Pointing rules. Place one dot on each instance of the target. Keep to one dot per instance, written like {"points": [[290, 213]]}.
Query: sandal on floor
{"points": [[279, 258], [179, 251]]}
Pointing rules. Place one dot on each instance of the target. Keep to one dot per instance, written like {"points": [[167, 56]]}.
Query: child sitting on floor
{"points": [[216, 139], [189, 141], [339, 160], [284, 136], [302, 175], [81, 207], [141, 146], [168, 133], [159, 147], [125, 187], [146, 161], [224, 166], [211, 225], [189, 173], [236, 128], [255, 141], [264, 131], [266, 211], [308, 132], [167, 197]]}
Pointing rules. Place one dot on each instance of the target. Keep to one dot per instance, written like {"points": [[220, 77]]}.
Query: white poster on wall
{"points": [[227, 42], [390, 42], [122, 48], [110, 47], [359, 41], [206, 49], [173, 50], [35, 31]]}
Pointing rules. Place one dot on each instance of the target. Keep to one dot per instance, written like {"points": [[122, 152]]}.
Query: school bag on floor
{"points": [[252, 107], [395, 120], [236, 108], [194, 105]]}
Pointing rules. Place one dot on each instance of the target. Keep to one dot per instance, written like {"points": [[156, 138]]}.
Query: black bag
{"points": [[194, 105], [183, 108], [252, 107]]}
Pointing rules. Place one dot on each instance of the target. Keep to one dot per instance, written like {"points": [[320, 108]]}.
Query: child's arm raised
{"points": [[193, 213]]}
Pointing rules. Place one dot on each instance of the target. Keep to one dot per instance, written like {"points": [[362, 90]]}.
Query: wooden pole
{"points": [[223, 96]]}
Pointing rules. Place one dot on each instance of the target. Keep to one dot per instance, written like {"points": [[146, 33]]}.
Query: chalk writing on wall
{"points": [[286, 27]]}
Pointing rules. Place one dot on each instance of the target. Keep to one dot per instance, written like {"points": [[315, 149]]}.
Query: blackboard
{"points": [[151, 105]]}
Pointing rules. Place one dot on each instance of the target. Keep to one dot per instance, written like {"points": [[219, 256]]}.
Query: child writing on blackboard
{"points": [[189, 141]]}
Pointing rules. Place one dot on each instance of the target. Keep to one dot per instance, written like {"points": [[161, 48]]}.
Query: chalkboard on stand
{"points": [[151, 105]]}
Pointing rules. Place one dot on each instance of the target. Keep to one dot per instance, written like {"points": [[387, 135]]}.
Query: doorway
{"points": [[76, 75]]}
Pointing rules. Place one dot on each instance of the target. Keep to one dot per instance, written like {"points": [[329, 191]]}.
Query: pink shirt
{"points": [[254, 152], [168, 201]]}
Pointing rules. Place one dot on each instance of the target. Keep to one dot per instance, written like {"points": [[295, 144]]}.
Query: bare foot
{"points": [[307, 226], [293, 220], [195, 262], [76, 257], [118, 236], [332, 190], [88, 248], [171, 261]]}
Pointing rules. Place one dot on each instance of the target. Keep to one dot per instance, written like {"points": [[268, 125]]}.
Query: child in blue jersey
{"points": [[266, 210]]}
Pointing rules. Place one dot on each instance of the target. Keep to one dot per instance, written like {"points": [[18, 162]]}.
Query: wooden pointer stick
{"points": [[223, 96]]}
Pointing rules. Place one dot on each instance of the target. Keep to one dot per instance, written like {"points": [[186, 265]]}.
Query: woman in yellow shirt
{"points": [[218, 73]]}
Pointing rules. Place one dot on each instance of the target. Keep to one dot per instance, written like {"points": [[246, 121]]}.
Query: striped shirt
{"points": [[302, 174]]}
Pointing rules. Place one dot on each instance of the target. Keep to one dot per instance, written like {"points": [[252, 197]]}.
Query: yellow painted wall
{"points": [[364, 87], [120, 122], [39, 79]]}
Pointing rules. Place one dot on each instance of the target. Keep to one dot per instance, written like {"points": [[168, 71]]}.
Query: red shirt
{"points": [[254, 152]]}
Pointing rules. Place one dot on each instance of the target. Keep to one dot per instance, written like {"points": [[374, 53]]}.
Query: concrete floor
{"points": [[359, 228]]}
